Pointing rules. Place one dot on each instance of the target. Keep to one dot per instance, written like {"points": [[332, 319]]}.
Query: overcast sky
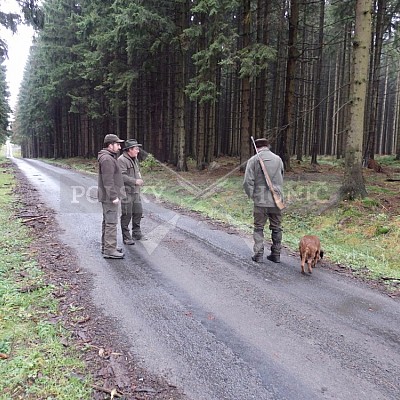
{"points": [[18, 50]]}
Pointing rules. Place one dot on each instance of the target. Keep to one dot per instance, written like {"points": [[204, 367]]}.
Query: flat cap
{"points": [[111, 138], [261, 143]]}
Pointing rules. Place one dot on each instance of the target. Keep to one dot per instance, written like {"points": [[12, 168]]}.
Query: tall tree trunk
{"points": [[300, 132], [260, 86], [353, 184], [210, 132], [289, 107], [374, 81], [235, 110], [245, 91], [201, 137], [130, 127], [345, 76], [181, 164], [317, 85], [278, 69], [328, 118], [169, 118], [384, 140], [396, 126]]}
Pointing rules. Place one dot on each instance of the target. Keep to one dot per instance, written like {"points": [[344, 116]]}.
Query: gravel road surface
{"points": [[196, 310]]}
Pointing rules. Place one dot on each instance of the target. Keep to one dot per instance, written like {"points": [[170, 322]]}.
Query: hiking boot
{"points": [[257, 258], [114, 254], [276, 258], [139, 236], [129, 242], [118, 249]]}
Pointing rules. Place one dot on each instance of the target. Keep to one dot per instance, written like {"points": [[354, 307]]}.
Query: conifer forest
{"points": [[197, 78]]}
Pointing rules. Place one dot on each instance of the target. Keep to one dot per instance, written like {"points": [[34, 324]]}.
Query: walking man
{"points": [[110, 193], [131, 207], [256, 188]]}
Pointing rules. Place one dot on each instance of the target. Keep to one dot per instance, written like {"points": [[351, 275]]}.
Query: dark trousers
{"points": [[261, 215], [131, 212], [109, 227]]}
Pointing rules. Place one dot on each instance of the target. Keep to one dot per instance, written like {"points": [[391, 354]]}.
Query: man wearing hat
{"points": [[111, 191], [256, 188], [131, 207]]}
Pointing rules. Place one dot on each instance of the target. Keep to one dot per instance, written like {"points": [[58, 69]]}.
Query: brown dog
{"points": [[310, 251]]}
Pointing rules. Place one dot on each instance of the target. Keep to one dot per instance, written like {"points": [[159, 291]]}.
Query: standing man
{"points": [[110, 193], [265, 208], [132, 210]]}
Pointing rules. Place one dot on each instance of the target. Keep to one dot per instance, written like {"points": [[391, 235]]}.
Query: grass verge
{"points": [[34, 363]]}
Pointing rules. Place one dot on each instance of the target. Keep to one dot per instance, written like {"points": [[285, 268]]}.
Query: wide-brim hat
{"points": [[131, 143], [111, 138]]}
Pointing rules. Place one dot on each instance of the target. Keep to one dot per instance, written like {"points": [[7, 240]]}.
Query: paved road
{"points": [[196, 310]]}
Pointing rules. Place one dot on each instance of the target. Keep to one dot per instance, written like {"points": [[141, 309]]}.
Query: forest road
{"points": [[195, 309]]}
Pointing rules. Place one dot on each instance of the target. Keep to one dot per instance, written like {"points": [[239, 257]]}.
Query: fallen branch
{"points": [[388, 278], [26, 215], [146, 390], [33, 219], [112, 392]]}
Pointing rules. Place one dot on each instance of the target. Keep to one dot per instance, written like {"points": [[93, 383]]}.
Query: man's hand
{"points": [[116, 201], [139, 182]]}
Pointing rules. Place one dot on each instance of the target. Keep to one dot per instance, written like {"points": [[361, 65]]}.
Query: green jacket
{"points": [[130, 172], [254, 183]]}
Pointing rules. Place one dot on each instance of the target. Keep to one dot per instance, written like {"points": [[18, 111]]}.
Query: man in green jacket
{"points": [[110, 192], [131, 207], [265, 208]]}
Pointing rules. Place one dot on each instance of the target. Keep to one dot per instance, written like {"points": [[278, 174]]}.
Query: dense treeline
{"points": [[8, 21], [31, 14], [4, 106], [197, 78]]}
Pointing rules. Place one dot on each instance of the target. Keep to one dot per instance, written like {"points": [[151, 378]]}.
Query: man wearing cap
{"points": [[265, 208], [131, 207], [111, 191]]}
